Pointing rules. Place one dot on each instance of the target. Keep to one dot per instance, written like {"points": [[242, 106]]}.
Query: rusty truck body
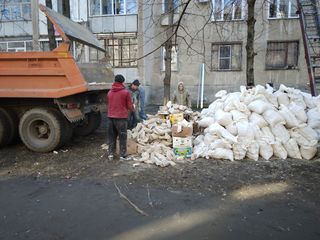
{"points": [[45, 97]]}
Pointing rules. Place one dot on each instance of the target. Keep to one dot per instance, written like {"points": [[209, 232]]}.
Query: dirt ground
{"points": [[285, 192]]}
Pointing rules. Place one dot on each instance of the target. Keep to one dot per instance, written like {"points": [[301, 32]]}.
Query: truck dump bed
{"points": [[53, 74]]}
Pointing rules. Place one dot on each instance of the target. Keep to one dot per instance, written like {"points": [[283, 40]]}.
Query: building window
{"points": [[174, 59], [15, 10], [226, 57], [283, 9], [282, 55], [227, 10], [112, 7], [121, 51], [16, 46], [165, 6]]}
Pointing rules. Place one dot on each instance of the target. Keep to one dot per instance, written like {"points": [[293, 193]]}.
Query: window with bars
{"points": [[283, 9], [226, 57], [121, 51], [282, 55], [227, 10], [112, 7], [13, 10]]}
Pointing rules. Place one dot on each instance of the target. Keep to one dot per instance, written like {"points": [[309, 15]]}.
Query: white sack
{"points": [[239, 151], [267, 135], [223, 118], [299, 112], [301, 140], [290, 118], [308, 152], [256, 119], [221, 131], [253, 151], [232, 128], [280, 132], [221, 94], [282, 98], [220, 143], [308, 133], [259, 106], [292, 148], [265, 150], [221, 153], [198, 140], [314, 118], [209, 138], [206, 122], [273, 117], [238, 116], [278, 150]]}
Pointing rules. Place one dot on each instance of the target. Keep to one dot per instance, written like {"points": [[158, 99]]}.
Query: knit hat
{"points": [[119, 78], [136, 82]]}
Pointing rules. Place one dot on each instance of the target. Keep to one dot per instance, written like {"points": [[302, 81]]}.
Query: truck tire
{"points": [[41, 129], [12, 124], [4, 130], [66, 126], [89, 124]]}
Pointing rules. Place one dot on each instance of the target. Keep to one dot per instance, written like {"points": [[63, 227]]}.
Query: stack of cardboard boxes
{"points": [[182, 138]]}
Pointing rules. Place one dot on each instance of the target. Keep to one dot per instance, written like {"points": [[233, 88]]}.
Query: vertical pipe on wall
{"points": [[202, 84]]}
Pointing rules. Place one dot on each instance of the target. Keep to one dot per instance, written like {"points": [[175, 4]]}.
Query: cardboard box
{"points": [[183, 151], [181, 142], [176, 117], [132, 147], [185, 131]]}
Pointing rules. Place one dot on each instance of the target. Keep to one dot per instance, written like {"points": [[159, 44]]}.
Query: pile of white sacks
{"points": [[260, 122]]}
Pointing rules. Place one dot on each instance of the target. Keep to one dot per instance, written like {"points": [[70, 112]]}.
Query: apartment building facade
{"points": [[212, 33]]}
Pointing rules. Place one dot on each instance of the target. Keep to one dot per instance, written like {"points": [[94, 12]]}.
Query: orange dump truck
{"points": [[45, 97]]}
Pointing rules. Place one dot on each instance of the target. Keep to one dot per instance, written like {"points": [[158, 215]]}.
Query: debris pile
{"points": [[154, 136], [260, 122]]}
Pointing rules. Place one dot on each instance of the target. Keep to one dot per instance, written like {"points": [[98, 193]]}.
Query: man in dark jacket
{"points": [[119, 104]]}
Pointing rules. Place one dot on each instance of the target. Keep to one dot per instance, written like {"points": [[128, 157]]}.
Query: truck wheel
{"points": [[89, 124], [12, 124], [41, 129], [4, 130], [66, 126]]}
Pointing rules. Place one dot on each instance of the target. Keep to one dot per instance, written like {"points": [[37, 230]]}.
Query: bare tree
{"points": [[51, 36], [250, 42]]}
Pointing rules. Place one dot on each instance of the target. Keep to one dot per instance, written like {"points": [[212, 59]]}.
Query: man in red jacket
{"points": [[119, 104]]}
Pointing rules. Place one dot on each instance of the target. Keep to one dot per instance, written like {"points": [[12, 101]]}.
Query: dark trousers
{"points": [[117, 127]]}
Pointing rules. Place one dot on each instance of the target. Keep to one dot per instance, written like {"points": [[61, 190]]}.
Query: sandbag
{"points": [[308, 152], [232, 128], [220, 143], [278, 150], [253, 151], [265, 150], [292, 148], [209, 138], [258, 120], [221, 153], [289, 117], [245, 131], [239, 151], [221, 131], [281, 133], [259, 106], [282, 98], [238, 116], [273, 117], [314, 118], [299, 112], [223, 118], [206, 122], [308, 133], [267, 135], [301, 140], [221, 94], [198, 140]]}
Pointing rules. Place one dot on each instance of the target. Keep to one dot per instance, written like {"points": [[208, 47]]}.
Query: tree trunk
{"points": [[51, 36], [250, 42], [168, 53]]}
